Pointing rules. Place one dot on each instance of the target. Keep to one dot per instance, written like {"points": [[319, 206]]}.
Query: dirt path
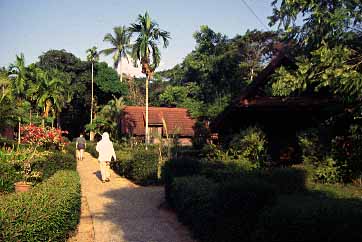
{"points": [[119, 210]]}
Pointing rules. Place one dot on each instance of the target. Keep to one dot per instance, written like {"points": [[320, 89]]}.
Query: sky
{"points": [[33, 27]]}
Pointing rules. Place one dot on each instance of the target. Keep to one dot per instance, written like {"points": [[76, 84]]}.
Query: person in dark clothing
{"points": [[80, 145]]}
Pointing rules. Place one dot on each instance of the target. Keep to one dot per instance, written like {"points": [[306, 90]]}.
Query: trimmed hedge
{"points": [[310, 218], [8, 176], [91, 148], [54, 162], [143, 167], [178, 168], [193, 198], [220, 211], [47, 213], [287, 180]]}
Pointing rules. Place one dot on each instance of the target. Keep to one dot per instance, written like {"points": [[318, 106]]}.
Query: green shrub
{"points": [[46, 213], [220, 171], [91, 148], [250, 144], [309, 218], [220, 212], [328, 171], [177, 168], [288, 180], [8, 176], [143, 167], [70, 148], [193, 198], [53, 162], [308, 141], [123, 163], [237, 207]]}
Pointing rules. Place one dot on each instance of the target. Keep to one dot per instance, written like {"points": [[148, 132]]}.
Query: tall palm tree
{"points": [[92, 56], [53, 92], [120, 46], [18, 75], [145, 50], [5, 85]]}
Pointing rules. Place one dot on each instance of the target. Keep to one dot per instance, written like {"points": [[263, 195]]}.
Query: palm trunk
{"points": [[19, 136], [58, 120], [91, 133], [120, 70], [91, 113], [147, 136]]}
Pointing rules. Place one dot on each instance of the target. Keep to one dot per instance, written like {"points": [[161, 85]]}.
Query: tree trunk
{"points": [[58, 120], [91, 137], [19, 136], [147, 136], [120, 70]]}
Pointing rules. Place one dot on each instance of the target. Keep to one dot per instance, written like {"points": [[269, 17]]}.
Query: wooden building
{"points": [[162, 121], [281, 118]]}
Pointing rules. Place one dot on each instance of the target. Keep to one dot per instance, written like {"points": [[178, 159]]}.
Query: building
{"points": [[164, 122], [281, 118]]}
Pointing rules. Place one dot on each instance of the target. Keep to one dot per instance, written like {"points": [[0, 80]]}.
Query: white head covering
{"points": [[105, 136], [105, 148]]}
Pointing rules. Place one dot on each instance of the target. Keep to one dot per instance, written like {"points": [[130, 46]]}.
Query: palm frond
{"points": [[109, 38], [108, 51]]}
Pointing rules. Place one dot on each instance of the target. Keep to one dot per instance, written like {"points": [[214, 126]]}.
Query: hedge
{"points": [[311, 218], [46, 213], [220, 211], [143, 167], [287, 180], [178, 168], [193, 198]]}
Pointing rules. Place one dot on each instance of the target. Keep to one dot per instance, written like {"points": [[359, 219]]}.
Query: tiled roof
{"points": [[177, 120]]}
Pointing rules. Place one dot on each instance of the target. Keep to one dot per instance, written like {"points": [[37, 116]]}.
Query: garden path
{"points": [[120, 211]]}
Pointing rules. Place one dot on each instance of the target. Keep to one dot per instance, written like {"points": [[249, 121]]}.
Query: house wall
{"points": [[184, 141]]}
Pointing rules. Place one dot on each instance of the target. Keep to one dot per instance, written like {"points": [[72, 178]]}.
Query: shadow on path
{"points": [[123, 211]]}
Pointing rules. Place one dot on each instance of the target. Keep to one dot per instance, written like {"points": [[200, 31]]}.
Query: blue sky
{"points": [[35, 26]]}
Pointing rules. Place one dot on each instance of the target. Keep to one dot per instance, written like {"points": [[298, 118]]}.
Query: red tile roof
{"points": [[177, 120]]}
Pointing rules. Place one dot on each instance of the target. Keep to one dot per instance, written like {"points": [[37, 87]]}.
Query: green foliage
{"points": [[287, 180], [107, 83], [143, 167], [251, 144], [238, 205], [336, 160], [46, 213], [312, 151], [91, 148], [123, 165], [180, 167], [308, 218], [145, 49], [330, 21], [193, 198], [8, 176], [220, 212], [328, 171], [332, 67], [54, 161], [346, 150]]}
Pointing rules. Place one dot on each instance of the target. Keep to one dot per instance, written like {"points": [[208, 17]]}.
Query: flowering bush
{"points": [[39, 136]]}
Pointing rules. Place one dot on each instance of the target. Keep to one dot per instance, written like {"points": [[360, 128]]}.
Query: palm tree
{"points": [[146, 51], [120, 46], [18, 76], [92, 56], [112, 113], [53, 92]]}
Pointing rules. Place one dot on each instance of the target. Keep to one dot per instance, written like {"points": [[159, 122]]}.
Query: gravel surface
{"points": [[120, 211]]}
